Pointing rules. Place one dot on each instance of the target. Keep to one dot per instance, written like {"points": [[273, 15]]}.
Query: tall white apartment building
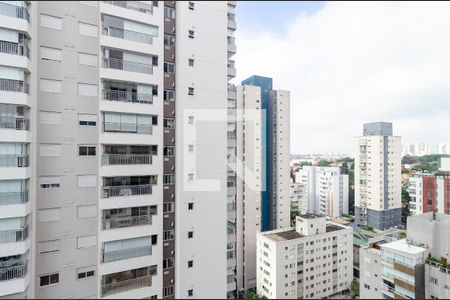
{"points": [[326, 190], [419, 149], [377, 177], [112, 123], [443, 148], [313, 260]]}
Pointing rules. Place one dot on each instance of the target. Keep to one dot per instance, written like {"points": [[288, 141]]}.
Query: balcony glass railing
{"points": [[14, 11], [121, 254], [17, 123], [14, 272], [127, 128], [14, 160], [14, 48], [126, 221], [126, 159], [127, 96], [13, 236], [133, 5], [11, 85], [126, 190], [127, 65], [231, 135], [126, 285], [127, 34], [11, 198]]}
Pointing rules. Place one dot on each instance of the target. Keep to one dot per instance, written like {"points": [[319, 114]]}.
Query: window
{"points": [[50, 117], [86, 150], [48, 247], [50, 86], [190, 234], [191, 5], [190, 263], [169, 12], [191, 34], [51, 54], [190, 293], [169, 40], [49, 214], [190, 206], [191, 120], [87, 29], [86, 241], [50, 279], [87, 180], [51, 22], [87, 59], [168, 235], [169, 95], [87, 120], [168, 179], [169, 123], [169, 151], [191, 149], [49, 182], [167, 291], [50, 149], [169, 68], [190, 91], [190, 62], [86, 272], [87, 211], [89, 90], [168, 207], [168, 263]]}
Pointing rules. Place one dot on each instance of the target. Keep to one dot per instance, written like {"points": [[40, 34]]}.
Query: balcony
{"points": [[231, 135], [126, 253], [231, 21], [231, 45], [14, 48], [126, 190], [12, 198], [17, 123], [126, 65], [10, 85], [14, 160], [127, 96], [128, 280], [14, 272], [126, 159], [14, 236], [120, 127], [133, 5], [14, 11], [127, 34], [126, 221]]}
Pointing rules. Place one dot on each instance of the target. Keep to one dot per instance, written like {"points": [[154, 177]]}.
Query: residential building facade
{"points": [[326, 190], [105, 111], [313, 260], [377, 177]]}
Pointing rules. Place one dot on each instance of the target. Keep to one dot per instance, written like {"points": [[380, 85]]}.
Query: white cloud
{"points": [[352, 63]]}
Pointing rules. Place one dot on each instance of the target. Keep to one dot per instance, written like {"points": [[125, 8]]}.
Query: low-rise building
{"points": [[312, 260]]}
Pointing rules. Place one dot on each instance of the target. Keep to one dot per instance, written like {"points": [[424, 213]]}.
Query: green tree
{"points": [[252, 294], [406, 198], [355, 287], [324, 163]]}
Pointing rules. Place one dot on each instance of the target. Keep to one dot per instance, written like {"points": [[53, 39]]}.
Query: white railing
{"points": [[128, 221], [127, 96], [17, 123], [110, 256], [127, 65], [14, 11], [11, 85], [127, 127], [15, 272], [134, 5], [126, 159], [126, 190], [127, 34], [13, 236], [14, 48], [11, 198], [14, 160], [126, 285]]}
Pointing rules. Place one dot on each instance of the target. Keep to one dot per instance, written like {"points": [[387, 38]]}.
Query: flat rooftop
{"points": [[284, 235], [311, 216], [332, 227], [403, 246]]}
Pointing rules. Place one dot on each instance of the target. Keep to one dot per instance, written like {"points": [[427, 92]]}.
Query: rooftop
{"points": [[311, 216], [284, 235], [403, 246], [332, 227]]}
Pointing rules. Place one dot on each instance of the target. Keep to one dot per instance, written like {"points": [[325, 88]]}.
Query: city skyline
{"points": [[407, 89]]}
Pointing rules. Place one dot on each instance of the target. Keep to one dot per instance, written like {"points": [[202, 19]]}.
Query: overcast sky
{"points": [[350, 63]]}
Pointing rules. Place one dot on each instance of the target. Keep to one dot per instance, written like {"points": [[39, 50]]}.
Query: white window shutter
{"points": [[50, 117], [86, 241], [87, 211], [50, 150], [47, 247], [87, 59], [88, 29], [87, 180], [51, 54], [85, 89], [49, 214], [51, 22], [50, 86]]}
